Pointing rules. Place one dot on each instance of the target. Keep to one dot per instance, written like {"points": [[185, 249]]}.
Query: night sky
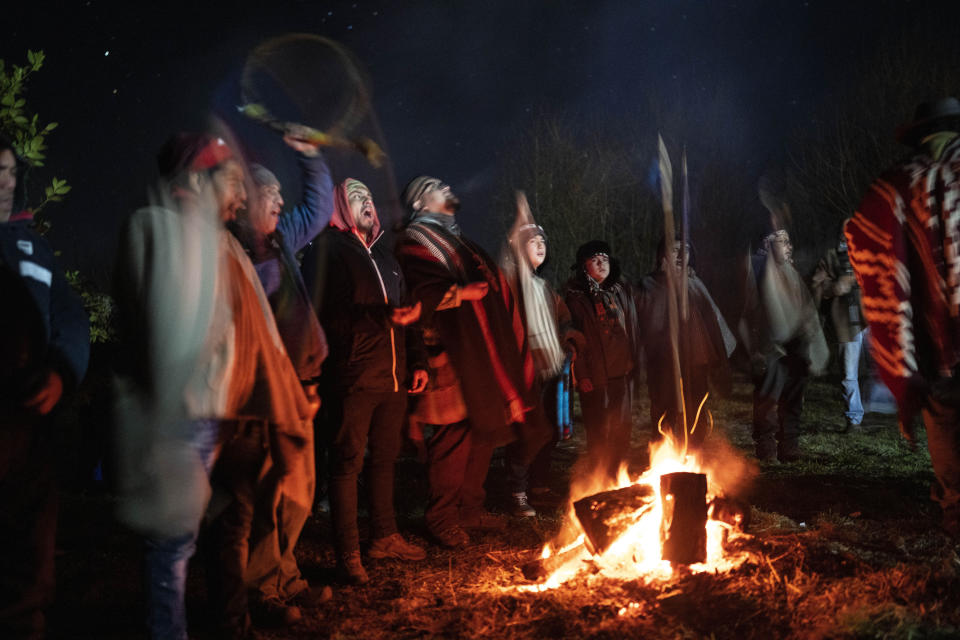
{"points": [[452, 82]]}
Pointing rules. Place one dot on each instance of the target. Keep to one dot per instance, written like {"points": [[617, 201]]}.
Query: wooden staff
{"points": [[684, 239], [666, 195]]}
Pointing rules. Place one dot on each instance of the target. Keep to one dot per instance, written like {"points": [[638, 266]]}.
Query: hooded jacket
{"points": [[354, 286]]}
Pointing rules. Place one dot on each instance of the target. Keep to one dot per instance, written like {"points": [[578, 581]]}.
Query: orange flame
{"points": [[636, 553]]}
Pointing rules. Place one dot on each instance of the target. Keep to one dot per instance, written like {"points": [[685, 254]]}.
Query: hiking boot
{"points": [[350, 569], [311, 597], [521, 508], [272, 612], [483, 521], [394, 546], [452, 538]]}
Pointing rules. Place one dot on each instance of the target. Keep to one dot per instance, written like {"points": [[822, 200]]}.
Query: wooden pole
{"points": [[666, 194]]}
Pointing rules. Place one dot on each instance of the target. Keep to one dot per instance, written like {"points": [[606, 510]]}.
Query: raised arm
{"points": [[307, 219]]}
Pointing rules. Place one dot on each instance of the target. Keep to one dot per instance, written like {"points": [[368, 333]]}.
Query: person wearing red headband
{"points": [[205, 383]]}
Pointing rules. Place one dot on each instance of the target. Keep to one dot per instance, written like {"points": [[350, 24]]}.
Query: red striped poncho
{"points": [[904, 244]]}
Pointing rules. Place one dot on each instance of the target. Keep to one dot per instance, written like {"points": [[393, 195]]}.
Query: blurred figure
{"points": [[553, 340], [602, 307], [205, 379], [45, 349], [272, 238], [903, 246], [481, 369], [705, 342], [834, 281], [360, 294], [781, 331]]}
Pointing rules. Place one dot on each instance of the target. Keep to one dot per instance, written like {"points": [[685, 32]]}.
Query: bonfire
{"points": [[674, 517]]}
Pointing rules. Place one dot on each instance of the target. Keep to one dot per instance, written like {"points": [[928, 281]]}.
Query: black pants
{"points": [[608, 421], [28, 525], [777, 405], [358, 422]]}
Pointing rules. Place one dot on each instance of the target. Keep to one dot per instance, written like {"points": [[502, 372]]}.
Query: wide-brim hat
{"points": [[928, 118]]}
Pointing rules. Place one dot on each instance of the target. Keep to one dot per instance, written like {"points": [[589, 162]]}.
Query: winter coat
{"points": [[354, 289], [612, 346], [844, 308], [64, 336]]}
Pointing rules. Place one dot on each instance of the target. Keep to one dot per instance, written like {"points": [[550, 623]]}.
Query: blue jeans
{"points": [[850, 359], [167, 558]]}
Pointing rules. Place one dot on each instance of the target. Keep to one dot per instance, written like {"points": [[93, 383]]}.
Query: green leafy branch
{"points": [[99, 306], [25, 131]]}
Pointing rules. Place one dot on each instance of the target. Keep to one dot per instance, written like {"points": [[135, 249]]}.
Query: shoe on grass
{"points": [[520, 507], [350, 569], [452, 538], [394, 546]]}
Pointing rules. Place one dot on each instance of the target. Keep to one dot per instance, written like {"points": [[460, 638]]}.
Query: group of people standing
{"points": [[243, 360]]}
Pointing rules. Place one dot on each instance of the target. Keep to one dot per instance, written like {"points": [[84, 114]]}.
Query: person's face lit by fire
{"points": [[597, 267], [265, 209], [229, 189], [438, 198], [364, 215], [781, 248], [8, 183], [676, 257], [536, 251]]}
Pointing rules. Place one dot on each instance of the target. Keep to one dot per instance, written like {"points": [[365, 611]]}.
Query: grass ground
{"points": [[843, 544]]}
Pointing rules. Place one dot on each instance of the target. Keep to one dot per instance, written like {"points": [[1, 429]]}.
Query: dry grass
{"points": [[843, 545]]}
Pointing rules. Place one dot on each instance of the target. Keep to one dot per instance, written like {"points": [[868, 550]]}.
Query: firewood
{"points": [[683, 529], [604, 516]]}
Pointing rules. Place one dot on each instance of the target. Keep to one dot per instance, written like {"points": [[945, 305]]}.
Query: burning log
{"points": [[683, 529], [542, 567], [604, 516], [733, 512]]}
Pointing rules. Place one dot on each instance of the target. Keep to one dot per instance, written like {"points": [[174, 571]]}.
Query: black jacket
{"points": [[612, 348], [347, 284], [65, 335]]}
